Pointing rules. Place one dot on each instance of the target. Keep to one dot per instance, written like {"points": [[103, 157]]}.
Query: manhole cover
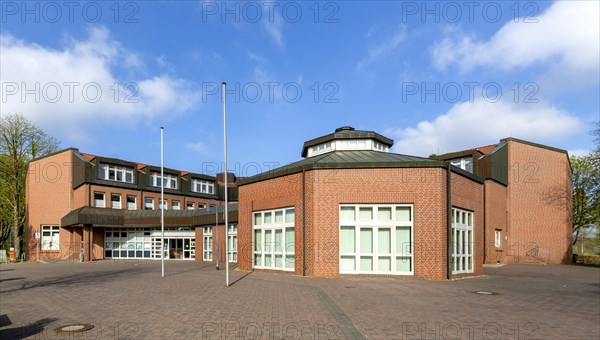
{"points": [[74, 328], [483, 292]]}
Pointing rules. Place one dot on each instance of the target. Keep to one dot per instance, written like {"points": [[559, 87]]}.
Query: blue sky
{"points": [[434, 76]]}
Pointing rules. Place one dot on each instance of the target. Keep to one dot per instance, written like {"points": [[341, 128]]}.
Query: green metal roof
{"points": [[355, 159]]}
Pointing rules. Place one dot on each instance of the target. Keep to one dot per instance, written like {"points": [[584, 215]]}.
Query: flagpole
{"points": [[162, 203], [226, 210], [217, 230]]}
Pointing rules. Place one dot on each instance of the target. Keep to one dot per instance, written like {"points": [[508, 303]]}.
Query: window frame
{"points": [[104, 171], [207, 243], [376, 227], [103, 199], [232, 245], [54, 232], [498, 238], [203, 186], [146, 201], [127, 197], [190, 206], [120, 201], [463, 239], [172, 181], [270, 248]]}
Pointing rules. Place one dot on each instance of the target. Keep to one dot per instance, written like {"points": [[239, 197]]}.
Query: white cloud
{"points": [[565, 38], [472, 124], [76, 87], [199, 147], [256, 58], [274, 28], [384, 48]]}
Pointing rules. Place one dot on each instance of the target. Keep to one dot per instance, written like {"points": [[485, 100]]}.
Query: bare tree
{"points": [[20, 142]]}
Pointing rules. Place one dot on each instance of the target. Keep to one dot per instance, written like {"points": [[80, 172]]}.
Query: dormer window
{"points": [[170, 181], [465, 163], [115, 173], [202, 186]]}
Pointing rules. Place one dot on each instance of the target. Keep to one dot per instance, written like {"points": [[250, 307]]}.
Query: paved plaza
{"points": [[130, 300]]}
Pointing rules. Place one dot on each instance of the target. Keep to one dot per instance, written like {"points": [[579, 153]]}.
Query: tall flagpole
{"points": [[217, 230], [162, 203], [226, 207]]}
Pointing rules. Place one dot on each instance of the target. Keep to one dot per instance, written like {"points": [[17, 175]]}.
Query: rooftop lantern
{"points": [[346, 138]]}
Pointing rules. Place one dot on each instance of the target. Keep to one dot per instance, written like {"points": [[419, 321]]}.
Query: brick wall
{"points": [[327, 189], [539, 205], [48, 198], [496, 218], [468, 195]]}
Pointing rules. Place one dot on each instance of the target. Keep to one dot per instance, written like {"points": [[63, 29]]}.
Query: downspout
{"points": [[449, 220], [484, 223], [303, 221]]}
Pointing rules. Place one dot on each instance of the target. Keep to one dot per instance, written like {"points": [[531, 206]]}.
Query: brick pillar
{"points": [[87, 246]]}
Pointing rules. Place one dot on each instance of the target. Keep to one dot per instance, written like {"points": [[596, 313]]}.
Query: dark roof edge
{"points": [[551, 148], [361, 165], [496, 181], [55, 153]]}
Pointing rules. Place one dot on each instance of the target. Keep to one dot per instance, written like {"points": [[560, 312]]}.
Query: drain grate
{"points": [[73, 328]]}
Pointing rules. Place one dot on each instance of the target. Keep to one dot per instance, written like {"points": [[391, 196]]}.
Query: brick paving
{"points": [[129, 300]]}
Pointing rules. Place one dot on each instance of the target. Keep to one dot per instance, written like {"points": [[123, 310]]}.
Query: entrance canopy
{"points": [[150, 218]]}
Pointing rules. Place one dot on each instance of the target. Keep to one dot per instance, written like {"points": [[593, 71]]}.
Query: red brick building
{"points": [[350, 207], [93, 207]]}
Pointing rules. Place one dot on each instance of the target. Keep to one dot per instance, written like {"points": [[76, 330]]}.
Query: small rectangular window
{"points": [[99, 200], [175, 205], [497, 238], [115, 201], [131, 203], [149, 203], [190, 206]]}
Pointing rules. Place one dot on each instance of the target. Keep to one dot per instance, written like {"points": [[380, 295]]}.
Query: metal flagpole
{"points": [[162, 201], [226, 210], [217, 230]]}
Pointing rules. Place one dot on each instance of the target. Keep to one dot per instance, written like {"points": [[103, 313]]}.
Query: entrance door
{"points": [[175, 248]]}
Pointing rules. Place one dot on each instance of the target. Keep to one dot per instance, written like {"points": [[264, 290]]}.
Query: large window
{"points": [[376, 239], [115, 173], [50, 237], [99, 200], [232, 242], [274, 239], [201, 186], [462, 237], [207, 244], [170, 181]]}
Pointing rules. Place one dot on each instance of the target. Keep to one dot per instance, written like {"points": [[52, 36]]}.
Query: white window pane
{"points": [[384, 264], [366, 263], [278, 261], [268, 241], [403, 264], [289, 216], [268, 218], [279, 217], [289, 262], [347, 264], [257, 219], [278, 240], [366, 240], [347, 240], [403, 214], [268, 260], [289, 240], [365, 214], [384, 241], [384, 214], [347, 214], [257, 240], [403, 240]]}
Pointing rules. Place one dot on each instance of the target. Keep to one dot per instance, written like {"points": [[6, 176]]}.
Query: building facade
{"points": [[88, 207], [349, 208]]}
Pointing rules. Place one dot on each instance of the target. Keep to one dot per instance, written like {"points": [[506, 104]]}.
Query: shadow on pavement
{"points": [[26, 331]]}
